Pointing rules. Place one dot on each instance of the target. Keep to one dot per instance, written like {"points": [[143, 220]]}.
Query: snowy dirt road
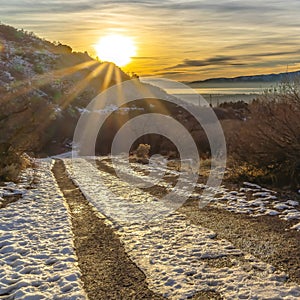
{"points": [[179, 256]]}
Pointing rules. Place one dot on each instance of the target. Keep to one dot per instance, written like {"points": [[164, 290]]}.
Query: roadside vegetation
{"points": [[265, 147], [41, 94]]}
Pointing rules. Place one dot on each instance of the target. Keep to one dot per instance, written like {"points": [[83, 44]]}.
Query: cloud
{"points": [[221, 6], [238, 60], [217, 60], [186, 35], [41, 7], [270, 54]]}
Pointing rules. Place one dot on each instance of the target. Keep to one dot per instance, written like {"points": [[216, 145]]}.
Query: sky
{"points": [[180, 40]]}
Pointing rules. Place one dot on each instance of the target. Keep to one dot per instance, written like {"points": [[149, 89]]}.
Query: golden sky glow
{"points": [[177, 39], [116, 48]]}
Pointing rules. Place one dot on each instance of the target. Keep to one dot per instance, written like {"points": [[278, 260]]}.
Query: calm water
{"points": [[220, 91], [217, 95], [214, 93]]}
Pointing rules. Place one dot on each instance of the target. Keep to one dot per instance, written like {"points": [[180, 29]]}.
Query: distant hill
{"points": [[250, 79]]}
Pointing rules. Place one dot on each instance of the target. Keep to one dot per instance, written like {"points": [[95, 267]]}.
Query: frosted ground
{"points": [[264, 202], [38, 259]]}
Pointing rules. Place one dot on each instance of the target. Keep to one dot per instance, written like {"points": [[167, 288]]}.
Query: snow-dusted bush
{"points": [[268, 143]]}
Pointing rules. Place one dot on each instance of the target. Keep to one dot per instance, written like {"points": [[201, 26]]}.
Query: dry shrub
{"points": [[143, 151], [12, 163], [242, 171], [266, 147], [141, 154]]}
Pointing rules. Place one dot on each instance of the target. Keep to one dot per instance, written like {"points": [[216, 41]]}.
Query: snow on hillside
{"points": [[23, 57]]}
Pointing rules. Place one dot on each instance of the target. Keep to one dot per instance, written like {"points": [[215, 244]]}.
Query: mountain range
{"points": [[264, 78]]}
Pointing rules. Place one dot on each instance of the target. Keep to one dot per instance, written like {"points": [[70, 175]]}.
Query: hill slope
{"points": [[41, 86], [45, 88]]}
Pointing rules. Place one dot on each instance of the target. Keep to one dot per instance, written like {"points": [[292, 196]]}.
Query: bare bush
{"points": [[143, 151], [141, 154], [12, 162], [268, 142]]}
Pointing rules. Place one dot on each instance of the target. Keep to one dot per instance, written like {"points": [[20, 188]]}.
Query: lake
{"points": [[217, 95], [212, 93]]}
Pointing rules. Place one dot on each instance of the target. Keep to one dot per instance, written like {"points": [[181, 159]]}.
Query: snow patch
{"points": [[37, 255], [172, 252]]}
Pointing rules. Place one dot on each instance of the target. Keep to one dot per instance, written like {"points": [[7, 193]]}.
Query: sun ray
{"points": [[119, 85], [118, 76], [37, 81], [120, 94], [44, 117], [108, 77], [146, 91], [77, 89]]}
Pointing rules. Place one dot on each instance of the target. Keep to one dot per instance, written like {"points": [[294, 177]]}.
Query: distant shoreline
{"points": [[216, 99]]}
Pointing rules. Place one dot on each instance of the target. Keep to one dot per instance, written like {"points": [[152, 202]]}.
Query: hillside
{"points": [[45, 87], [42, 85]]}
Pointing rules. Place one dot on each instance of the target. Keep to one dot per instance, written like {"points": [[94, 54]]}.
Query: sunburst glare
{"points": [[116, 48]]}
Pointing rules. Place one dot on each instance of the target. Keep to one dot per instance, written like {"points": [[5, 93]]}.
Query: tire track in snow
{"points": [[107, 272], [173, 252], [266, 237]]}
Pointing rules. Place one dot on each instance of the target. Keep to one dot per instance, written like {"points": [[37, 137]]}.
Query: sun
{"points": [[116, 48]]}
